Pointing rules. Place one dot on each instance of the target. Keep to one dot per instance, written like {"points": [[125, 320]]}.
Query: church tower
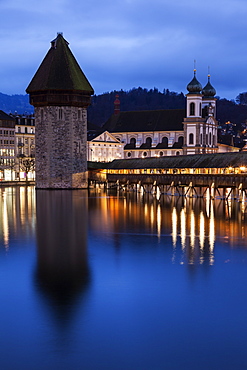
{"points": [[200, 125], [60, 93]]}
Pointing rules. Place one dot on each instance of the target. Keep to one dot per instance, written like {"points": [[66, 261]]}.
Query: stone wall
{"points": [[61, 143]]}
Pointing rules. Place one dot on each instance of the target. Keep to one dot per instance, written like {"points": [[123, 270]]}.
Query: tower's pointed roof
{"points": [[59, 70], [194, 87], [208, 90]]}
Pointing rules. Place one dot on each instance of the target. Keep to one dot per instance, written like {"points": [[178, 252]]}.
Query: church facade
{"points": [[169, 132]]}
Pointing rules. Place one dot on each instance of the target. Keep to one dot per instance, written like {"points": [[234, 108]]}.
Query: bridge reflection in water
{"points": [[190, 224]]}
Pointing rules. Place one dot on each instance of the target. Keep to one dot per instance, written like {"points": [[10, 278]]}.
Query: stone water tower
{"points": [[60, 93]]}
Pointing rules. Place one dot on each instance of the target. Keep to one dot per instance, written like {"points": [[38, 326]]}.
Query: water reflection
{"points": [[62, 270], [17, 214], [192, 223]]}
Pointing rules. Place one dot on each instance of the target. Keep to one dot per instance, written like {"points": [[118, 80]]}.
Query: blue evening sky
{"points": [[129, 43]]}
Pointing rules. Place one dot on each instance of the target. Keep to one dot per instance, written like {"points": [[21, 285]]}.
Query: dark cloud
{"points": [[129, 43]]}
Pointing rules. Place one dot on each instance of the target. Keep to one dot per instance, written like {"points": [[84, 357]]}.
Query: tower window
{"points": [[192, 109], [60, 113], [191, 139]]}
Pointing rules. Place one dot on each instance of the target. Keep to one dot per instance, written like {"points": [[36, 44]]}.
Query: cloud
{"points": [[126, 43]]}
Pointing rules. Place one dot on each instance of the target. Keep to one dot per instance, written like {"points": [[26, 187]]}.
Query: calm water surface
{"points": [[121, 281]]}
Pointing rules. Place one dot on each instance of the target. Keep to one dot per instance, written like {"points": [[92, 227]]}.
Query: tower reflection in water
{"points": [[62, 271]]}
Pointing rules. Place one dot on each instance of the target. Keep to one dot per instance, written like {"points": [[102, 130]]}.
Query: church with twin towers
{"points": [[61, 94]]}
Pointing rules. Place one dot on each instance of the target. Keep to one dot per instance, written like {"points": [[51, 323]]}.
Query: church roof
{"points": [[59, 70], [145, 121]]}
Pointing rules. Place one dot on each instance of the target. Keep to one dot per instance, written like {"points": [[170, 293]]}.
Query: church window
{"points": [[181, 140], [192, 109], [149, 142], [144, 154], [210, 138], [177, 153], [133, 142], [201, 139], [206, 139], [129, 154], [191, 139], [165, 141], [161, 154], [213, 140]]}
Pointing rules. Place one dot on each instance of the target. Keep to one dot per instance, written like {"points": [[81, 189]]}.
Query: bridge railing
{"points": [[196, 180]]}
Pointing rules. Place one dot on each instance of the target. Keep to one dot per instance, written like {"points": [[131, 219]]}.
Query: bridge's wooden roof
{"points": [[216, 160]]}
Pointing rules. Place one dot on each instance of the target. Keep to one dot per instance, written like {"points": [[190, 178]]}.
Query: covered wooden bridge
{"points": [[221, 174]]}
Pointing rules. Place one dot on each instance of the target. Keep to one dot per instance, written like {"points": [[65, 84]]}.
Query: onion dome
{"points": [[194, 87], [209, 91]]}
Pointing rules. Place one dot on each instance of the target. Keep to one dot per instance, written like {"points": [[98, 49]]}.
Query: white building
{"points": [[104, 148]]}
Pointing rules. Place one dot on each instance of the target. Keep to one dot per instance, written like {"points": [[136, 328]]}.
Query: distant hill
{"points": [[102, 106], [15, 103]]}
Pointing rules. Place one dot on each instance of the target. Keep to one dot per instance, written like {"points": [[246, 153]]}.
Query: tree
{"points": [[242, 98], [27, 164]]}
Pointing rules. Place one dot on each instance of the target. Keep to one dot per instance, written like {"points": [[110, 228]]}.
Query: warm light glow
{"points": [[158, 220], [183, 228], [211, 235], [192, 230], [174, 226], [202, 231]]}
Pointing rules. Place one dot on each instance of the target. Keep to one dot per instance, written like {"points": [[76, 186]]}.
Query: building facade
{"points": [[7, 147], [169, 132], [105, 148]]}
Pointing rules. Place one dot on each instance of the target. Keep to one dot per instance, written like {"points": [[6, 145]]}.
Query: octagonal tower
{"points": [[60, 93]]}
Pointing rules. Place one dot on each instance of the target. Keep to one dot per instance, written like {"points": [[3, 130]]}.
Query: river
{"points": [[95, 280]]}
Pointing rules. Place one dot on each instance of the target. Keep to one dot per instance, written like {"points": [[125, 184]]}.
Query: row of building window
{"points": [[209, 140], [149, 141], [26, 130], [7, 142], [7, 133]]}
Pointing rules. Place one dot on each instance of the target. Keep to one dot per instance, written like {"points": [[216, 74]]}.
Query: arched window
{"points": [[165, 141], [201, 142], [161, 154], [192, 109], [191, 139], [177, 153], [206, 139], [129, 154], [149, 142], [145, 154], [210, 138], [181, 140], [133, 142], [213, 140]]}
